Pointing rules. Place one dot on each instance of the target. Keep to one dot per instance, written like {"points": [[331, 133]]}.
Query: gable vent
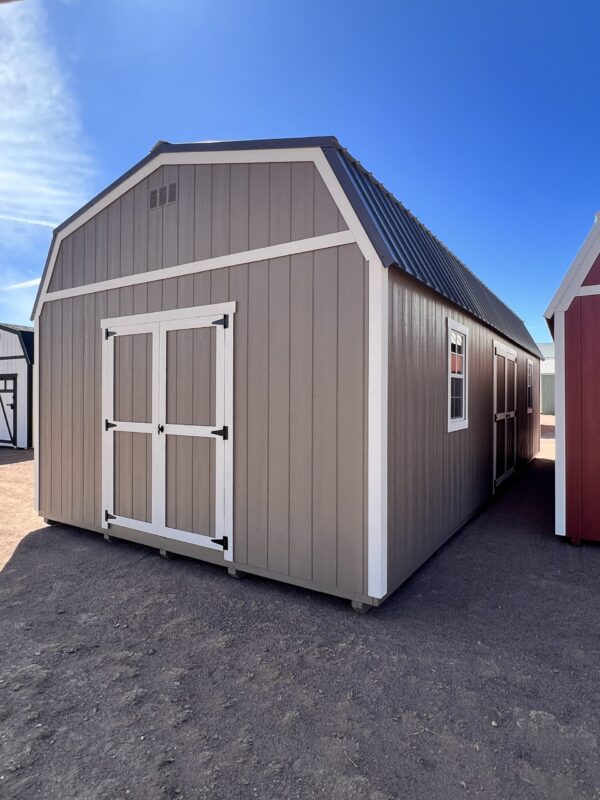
{"points": [[162, 195]]}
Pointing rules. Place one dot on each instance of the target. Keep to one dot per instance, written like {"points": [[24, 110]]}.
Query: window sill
{"points": [[457, 425]]}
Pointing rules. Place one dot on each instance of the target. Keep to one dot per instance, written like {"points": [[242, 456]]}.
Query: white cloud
{"points": [[45, 174], [23, 284]]}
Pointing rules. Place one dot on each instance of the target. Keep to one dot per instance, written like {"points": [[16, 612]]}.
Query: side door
{"points": [[167, 426], [8, 409], [505, 412]]}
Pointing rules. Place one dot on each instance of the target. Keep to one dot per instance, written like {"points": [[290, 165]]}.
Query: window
{"points": [[162, 195], [458, 338], [529, 386]]}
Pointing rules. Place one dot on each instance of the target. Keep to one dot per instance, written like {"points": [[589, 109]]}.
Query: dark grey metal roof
{"points": [[402, 241], [397, 235]]}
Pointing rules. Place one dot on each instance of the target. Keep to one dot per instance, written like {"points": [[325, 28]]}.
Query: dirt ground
{"points": [[123, 675], [17, 517]]}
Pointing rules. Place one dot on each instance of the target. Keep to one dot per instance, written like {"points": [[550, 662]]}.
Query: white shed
{"points": [[16, 359]]}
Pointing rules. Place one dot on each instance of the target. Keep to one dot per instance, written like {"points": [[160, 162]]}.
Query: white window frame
{"points": [[529, 385], [462, 423]]}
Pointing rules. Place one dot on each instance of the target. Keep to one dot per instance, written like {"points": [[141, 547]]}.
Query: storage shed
{"points": [[252, 354], [16, 360], [547, 378], [574, 320]]}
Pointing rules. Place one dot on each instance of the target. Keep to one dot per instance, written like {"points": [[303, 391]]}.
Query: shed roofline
{"points": [[576, 274], [19, 331]]}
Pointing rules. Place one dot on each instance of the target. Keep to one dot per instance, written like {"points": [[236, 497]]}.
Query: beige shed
{"points": [[252, 354]]}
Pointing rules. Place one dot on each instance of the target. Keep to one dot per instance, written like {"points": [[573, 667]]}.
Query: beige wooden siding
{"points": [[437, 480], [221, 209], [300, 382]]}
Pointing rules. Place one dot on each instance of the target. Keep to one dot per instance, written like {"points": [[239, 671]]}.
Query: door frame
{"points": [[157, 324], [12, 442], [509, 354]]}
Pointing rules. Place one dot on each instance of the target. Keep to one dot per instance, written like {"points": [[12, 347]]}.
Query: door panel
{"points": [[510, 443], [190, 471], [510, 385], [500, 448], [133, 475], [505, 423], [133, 378], [191, 360], [500, 384]]}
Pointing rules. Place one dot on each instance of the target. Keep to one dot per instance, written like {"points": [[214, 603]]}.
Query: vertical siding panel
{"points": [[202, 452], [259, 206], [46, 345], [301, 418], [114, 239], [220, 209], [112, 310], [55, 407], [258, 412], [101, 313], [185, 201], [185, 398], [302, 191], [279, 415], [155, 225], [280, 203], [89, 270], [239, 199], [56, 282], [89, 416], [350, 419], [325, 418], [102, 245], [326, 218], [172, 441], [170, 222], [185, 291], [77, 418], [155, 296], [169, 294], [125, 441], [66, 394], [127, 232], [203, 213], [140, 227], [238, 287], [67, 262]]}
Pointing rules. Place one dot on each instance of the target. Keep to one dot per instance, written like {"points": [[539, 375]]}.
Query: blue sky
{"points": [[481, 117]]}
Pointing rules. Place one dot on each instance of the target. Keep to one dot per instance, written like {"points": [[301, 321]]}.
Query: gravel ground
{"points": [[17, 517], [124, 675]]}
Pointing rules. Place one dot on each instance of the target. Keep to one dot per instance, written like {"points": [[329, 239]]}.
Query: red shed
{"points": [[574, 319]]}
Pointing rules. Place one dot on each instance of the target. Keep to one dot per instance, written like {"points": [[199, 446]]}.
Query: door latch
{"points": [[224, 542], [224, 432]]}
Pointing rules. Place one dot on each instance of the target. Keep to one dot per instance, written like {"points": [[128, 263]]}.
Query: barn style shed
{"points": [[574, 320], [16, 360], [251, 353]]}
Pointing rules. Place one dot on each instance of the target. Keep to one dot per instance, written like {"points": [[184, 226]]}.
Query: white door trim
{"points": [[560, 481], [509, 354]]}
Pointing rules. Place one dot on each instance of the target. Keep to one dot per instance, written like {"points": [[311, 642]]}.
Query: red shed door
{"points": [[505, 412]]}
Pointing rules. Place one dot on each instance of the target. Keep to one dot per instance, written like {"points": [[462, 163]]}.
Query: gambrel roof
{"points": [[25, 334], [398, 237]]}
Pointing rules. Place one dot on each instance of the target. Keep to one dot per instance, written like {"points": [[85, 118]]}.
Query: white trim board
{"points": [[577, 272], [560, 486], [193, 267]]}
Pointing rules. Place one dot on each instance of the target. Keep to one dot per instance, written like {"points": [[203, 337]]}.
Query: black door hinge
{"points": [[224, 321], [108, 425], [108, 516], [161, 428], [224, 542], [224, 432], [108, 334]]}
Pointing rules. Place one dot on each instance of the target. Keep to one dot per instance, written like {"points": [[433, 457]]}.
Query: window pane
{"points": [[456, 398], [456, 364]]}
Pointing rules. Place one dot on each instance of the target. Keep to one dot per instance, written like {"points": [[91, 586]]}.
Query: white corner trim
{"points": [[560, 486], [377, 430], [577, 272], [458, 424], [193, 267], [588, 291]]}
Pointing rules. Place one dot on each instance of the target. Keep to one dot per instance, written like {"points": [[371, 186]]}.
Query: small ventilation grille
{"points": [[163, 195]]}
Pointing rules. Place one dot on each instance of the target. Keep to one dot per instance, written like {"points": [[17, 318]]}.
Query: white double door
{"points": [[167, 425]]}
